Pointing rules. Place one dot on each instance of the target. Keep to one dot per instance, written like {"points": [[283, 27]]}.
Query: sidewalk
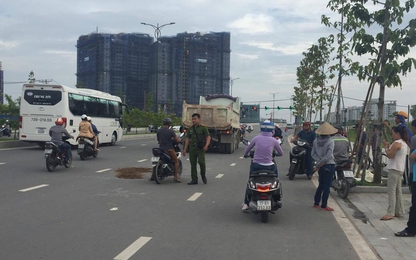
{"points": [[364, 210]]}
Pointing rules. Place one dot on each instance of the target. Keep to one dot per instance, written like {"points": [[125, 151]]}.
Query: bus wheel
{"points": [[113, 139]]}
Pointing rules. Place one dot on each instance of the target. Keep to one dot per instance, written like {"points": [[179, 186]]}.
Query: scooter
{"points": [[298, 158], [343, 179], [5, 130], [264, 192], [162, 165], [86, 148], [55, 157]]}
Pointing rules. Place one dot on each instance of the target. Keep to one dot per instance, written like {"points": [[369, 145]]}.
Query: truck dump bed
{"points": [[220, 112]]}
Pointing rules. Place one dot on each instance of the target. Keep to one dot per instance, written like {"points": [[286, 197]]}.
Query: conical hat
{"points": [[326, 129]]}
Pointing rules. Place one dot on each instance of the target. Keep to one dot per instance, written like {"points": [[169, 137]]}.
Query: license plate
{"points": [[155, 159], [264, 205], [41, 130], [48, 150], [81, 146], [348, 174]]}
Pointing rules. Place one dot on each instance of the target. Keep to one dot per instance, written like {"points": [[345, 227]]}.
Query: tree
{"points": [[12, 112], [385, 48]]}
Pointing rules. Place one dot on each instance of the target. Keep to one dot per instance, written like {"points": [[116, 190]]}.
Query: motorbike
{"points": [[264, 192], [86, 148], [5, 130], [162, 165], [55, 157], [343, 179], [298, 158]]}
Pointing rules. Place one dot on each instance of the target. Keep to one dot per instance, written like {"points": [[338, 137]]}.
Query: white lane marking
{"points": [[133, 248], [195, 196], [103, 170], [1, 163], [122, 147], [143, 160], [34, 187], [357, 241], [242, 157], [233, 164], [143, 144], [219, 176]]}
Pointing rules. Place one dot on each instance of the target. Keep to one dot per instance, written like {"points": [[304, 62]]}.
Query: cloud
{"points": [[253, 24], [247, 56], [8, 45], [291, 49]]}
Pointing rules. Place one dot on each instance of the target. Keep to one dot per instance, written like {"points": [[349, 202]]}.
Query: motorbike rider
{"points": [[56, 132], [277, 132], [309, 136], [243, 131], [6, 126], [341, 146], [85, 130], [165, 137], [265, 144], [94, 128]]}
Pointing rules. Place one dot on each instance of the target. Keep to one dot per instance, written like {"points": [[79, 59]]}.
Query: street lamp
{"points": [[157, 34], [273, 105], [232, 83]]}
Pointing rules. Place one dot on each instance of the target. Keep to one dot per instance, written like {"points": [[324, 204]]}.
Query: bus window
{"points": [[113, 109], [102, 108], [76, 104], [91, 106]]}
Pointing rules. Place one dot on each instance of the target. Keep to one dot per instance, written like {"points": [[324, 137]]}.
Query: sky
{"points": [[267, 41]]}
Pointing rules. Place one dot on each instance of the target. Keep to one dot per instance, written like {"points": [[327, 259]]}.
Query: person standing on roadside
{"points": [[410, 230], [195, 137], [396, 154], [322, 153], [309, 136]]}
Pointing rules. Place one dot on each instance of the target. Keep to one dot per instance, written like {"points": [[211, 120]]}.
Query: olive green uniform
{"points": [[196, 154]]}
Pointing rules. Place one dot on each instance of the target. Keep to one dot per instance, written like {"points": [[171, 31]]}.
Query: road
{"points": [[85, 212]]}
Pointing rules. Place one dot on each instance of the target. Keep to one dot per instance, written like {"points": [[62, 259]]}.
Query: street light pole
{"points": [[158, 34], [232, 83], [273, 105]]}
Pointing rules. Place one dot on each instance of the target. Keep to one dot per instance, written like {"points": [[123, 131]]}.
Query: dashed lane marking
{"points": [[143, 160], [219, 176], [1, 163], [233, 164], [195, 196], [104, 170], [143, 144], [132, 249], [34, 187], [123, 147]]}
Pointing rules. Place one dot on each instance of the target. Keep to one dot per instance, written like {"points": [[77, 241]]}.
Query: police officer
{"points": [[197, 134]]}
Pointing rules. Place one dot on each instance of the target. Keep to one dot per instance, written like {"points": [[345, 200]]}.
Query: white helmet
{"points": [[84, 116], [88, 118]]}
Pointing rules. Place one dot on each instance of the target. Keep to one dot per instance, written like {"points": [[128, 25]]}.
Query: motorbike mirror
{"points": [[73, 130]]}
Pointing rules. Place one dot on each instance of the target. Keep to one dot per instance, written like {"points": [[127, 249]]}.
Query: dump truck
{"points": [[220, 113]]}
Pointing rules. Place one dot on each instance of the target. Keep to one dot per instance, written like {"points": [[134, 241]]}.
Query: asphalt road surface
{"points": [[85, 212]]}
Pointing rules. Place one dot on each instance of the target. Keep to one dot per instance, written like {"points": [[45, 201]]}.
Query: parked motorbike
{"points": [[162, 165], [86, 148], [5, 130], [298, 158], [55, 157], [343, 179]]}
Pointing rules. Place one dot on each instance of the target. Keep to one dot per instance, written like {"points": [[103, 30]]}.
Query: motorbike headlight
{"points": [[251, 184], [301, 143], [274, 185]]}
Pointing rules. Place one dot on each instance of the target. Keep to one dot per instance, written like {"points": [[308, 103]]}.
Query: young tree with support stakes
{"points": [[385, 48]]}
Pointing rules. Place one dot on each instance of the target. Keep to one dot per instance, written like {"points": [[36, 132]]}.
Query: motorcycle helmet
{"points": [[59, 121], [167, 121], [84, 116], [266, 126], [88, 119]]}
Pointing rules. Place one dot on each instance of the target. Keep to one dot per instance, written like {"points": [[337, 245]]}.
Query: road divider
{"points": [[133, 248], [34, 187]]}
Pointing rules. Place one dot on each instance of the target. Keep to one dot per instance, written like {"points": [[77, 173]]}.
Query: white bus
{"points": [[41, 104]]}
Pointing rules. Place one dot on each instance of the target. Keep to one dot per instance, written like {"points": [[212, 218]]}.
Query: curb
{"points": [[376, 189]]}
